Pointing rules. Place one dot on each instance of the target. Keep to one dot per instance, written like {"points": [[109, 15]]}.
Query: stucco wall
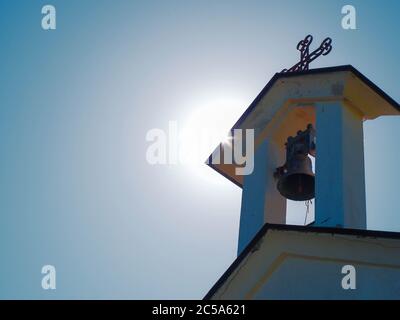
{"points": [[307, 265]]}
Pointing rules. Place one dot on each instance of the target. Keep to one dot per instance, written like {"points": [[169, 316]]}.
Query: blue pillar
{"points": [[261, 201], [339, 166]]}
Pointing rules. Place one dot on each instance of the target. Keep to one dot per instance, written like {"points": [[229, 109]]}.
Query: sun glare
{"points": [[206, 127]]}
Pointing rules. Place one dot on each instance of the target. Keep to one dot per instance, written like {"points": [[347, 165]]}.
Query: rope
{"points": [[307, 203]]}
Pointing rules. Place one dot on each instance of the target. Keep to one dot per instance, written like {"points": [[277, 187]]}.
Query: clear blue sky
{"points": [[76, 191]]}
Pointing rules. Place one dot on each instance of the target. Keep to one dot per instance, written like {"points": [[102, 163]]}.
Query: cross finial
{"points": [[306, 57]]}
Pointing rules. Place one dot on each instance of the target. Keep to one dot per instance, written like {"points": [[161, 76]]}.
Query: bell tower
{"points": [[302, 113]]}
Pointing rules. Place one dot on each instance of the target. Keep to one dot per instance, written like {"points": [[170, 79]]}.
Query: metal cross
{"points": [[306, 57]]}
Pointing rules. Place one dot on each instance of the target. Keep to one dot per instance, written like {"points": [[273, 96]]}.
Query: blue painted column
{"points": [[339, 166], [261, 201]]}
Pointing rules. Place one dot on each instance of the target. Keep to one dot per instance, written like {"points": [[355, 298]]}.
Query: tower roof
{"points": [[303, 89]]}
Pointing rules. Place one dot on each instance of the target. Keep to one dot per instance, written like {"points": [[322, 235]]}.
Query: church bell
{"points": [[296, 180]]}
